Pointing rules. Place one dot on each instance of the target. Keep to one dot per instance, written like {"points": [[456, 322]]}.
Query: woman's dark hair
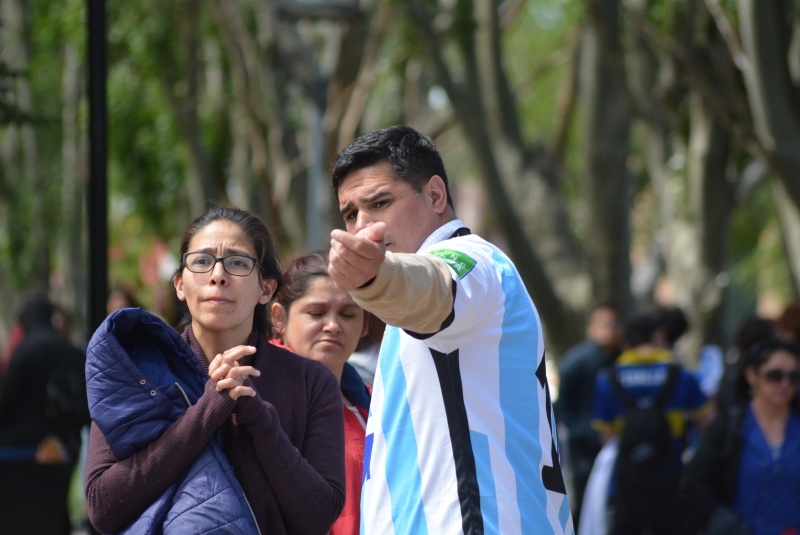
{"points": [[297, 276], [268, 265], [788, 322], [412, 155], [758, 354], [750, 331]]}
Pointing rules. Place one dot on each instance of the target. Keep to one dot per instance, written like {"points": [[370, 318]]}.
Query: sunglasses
{"points": [[778, 376]]}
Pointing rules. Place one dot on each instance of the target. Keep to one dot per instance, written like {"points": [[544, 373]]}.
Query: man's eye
{"points": [[349, 216]]}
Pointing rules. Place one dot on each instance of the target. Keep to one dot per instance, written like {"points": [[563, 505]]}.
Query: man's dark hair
{"points": [[37, 313], [675, 323], [412, 155], [641, 328]]}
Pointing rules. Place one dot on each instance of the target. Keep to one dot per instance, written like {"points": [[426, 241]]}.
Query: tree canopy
{"points": [[623, 151]]}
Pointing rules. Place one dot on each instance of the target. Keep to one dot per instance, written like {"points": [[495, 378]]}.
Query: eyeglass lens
{"points": [[234, 264], [777, 376]]}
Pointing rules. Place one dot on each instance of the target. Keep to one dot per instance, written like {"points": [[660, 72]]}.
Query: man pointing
{"points": [[460, 437]]}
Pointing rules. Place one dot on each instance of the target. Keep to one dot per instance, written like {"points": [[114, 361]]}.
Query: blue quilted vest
{"points": [[140, 377]]}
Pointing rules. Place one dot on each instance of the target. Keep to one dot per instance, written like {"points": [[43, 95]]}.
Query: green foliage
{"points": [[757, 252], [537, 61]]}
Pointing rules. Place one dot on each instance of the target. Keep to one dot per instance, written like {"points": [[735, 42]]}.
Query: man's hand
{"points": [[355, 258]]}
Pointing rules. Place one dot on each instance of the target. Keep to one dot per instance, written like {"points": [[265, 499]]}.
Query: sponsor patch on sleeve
{"points": [[460, 262]]}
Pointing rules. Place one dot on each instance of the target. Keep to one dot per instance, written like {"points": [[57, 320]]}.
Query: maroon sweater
{"points": [[286, 446]]}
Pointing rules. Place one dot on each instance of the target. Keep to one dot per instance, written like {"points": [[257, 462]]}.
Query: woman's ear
{"points": [[278, 318], [177, 282], [267, 289], [750, 375], [365, 327]]}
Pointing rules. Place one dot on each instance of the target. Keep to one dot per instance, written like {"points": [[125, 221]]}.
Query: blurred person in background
{"points": [[745, 475], [319, 321], [749, 332], [578, 369], [121, 298], [646, 373], [43, 407], [787, 324]]}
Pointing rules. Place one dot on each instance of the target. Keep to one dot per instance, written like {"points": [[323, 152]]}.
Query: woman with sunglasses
{"points": [[745, 475], [276, 417]]}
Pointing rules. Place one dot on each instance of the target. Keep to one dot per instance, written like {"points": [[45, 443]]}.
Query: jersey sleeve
{"points": [[411, 291], [478, 292], [605, 411], [696, 401]]}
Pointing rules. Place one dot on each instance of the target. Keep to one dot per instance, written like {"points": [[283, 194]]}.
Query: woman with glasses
{"points": [[277, 416], [745, 475]]}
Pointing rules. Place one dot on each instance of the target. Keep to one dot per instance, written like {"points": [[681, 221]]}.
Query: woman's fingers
{"points": [[235, 388], [236, 377], [222, 365]]}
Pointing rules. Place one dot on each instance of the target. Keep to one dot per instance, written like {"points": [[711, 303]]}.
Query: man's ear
{"points": [[278, 318], [177, 282], [267, 289], [438, 193]]}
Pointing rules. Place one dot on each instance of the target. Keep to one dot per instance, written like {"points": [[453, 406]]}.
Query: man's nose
{"points": [[363, 220]]}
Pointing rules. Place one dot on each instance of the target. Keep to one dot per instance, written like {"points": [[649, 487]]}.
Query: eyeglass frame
{"points": [[219, 259]]}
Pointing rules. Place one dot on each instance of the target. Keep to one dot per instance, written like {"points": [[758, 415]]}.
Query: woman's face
{"points": [[776, 381], [218, 301], [325, 324]]}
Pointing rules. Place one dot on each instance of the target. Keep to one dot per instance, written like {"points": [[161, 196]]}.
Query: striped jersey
{"points": [[461, 433]]}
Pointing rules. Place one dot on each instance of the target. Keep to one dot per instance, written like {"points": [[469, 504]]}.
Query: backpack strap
{"points": [[620, 391], [660, 399], [673, 375]]}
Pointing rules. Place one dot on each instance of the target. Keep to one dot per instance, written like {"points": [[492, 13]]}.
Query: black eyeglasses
{"points": [[235, 264], [778, 376]]}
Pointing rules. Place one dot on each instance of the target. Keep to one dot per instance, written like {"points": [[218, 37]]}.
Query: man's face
{"points": [[605, 328], [373, 194]]}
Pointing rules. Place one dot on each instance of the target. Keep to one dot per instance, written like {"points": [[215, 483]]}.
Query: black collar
{"points": [[463, 231]]}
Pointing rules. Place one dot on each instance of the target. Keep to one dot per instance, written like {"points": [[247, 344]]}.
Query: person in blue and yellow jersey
{"points": [[642, 370]]}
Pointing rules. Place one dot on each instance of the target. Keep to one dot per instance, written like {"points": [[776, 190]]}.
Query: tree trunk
{"points": [[606, 129], [70, 247], [773, 96]]}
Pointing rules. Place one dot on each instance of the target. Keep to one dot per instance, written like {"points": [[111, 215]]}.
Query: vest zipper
{"points": [[188, 403], [249, 507], [251, 511]]}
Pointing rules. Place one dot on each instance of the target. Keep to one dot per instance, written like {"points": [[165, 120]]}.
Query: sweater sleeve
{"points": [[119, 491], [411, 291], [308, 483]]}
